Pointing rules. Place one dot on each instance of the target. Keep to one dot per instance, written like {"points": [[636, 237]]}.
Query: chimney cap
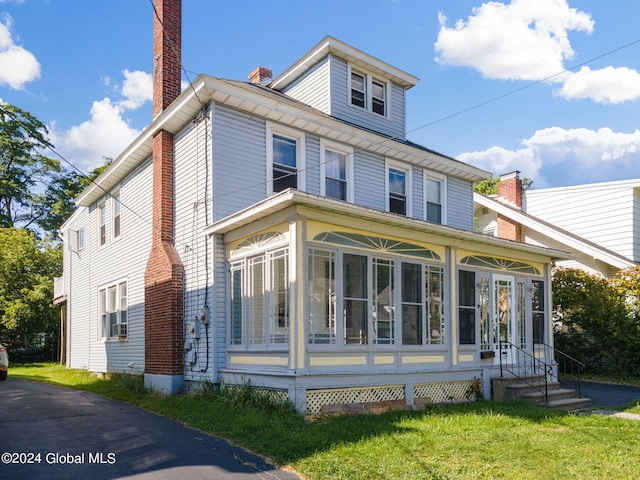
{"points": [[260, 75], [507, 176]]}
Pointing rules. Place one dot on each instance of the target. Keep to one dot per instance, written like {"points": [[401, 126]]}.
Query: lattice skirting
{"points": [[444, 391], [335, 396]]}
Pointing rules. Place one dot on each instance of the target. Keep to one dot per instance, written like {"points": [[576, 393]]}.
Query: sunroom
{"points": [[330, 303]]}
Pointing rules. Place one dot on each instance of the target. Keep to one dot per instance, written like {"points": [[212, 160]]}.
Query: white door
{"points": [[505, 325]]}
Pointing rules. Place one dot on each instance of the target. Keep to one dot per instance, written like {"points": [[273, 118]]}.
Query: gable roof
{"points": [[358, 58], [574, 242], [274, 106]]}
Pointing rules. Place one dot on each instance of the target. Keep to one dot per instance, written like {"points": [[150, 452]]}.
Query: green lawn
{"points": [[484, 440]]}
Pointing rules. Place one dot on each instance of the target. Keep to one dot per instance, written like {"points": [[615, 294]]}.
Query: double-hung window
{"points": [[368, 93], [117, 208], [435, 195], [398, 188], [285, 157], [102, 224], [336, 171], [113, 311]]}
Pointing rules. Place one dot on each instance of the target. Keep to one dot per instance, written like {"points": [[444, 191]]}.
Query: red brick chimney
{"points": [[164, 275], [260, 75], [510, 191]]}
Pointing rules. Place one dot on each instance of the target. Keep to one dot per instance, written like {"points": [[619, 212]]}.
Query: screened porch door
{"points": [[502, 316]]}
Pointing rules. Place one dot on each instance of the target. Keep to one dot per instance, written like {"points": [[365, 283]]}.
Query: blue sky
{"points": [[491, 91]]}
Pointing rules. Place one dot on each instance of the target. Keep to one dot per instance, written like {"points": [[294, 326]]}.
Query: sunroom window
{"points": [[259, 304]]}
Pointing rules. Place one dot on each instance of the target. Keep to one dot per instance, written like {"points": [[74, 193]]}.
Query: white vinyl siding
{"points": [[313, 87], [369, 180], [392, 123], [459, 203], [601, 213], [239, 165]]}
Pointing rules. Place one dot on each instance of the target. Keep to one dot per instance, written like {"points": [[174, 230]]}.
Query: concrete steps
{"points": [[512, 389]]}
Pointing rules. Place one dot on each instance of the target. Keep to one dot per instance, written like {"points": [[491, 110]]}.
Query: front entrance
{"points": [[502, 311]]}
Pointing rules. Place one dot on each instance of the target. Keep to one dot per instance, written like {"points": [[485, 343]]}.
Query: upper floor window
{"points": [[80, 238], [336, 168], [285, 149], [358, 90], [434, 194], [117, 207], [113, 311], [398, 189], [102, 224], [368, 93]]}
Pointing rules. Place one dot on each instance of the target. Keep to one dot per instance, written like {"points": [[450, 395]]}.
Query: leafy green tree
{"points": [[598, 319], [27, 268], [490, 185], [23, 167]]}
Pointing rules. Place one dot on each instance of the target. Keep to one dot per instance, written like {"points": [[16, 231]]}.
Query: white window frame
{"points": [[368, 92], [265, 332], [348, 153], [443, 192], [116, 215], [80, 238], [299, 137], [121, 311], [102, 224], [408, 170]]}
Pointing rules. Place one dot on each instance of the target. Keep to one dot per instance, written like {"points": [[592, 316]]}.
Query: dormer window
{"points": [[358, 92], [377, 97], [368, 93]]}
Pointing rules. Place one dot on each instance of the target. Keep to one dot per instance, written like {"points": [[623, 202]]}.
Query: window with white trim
{"points": [[285, 159], [357, 299], [260, 302], [368, 92], [112, 304], [435, 199], [398, 188], [102, 224], [80, 238], [117, 208], [336, 171]]}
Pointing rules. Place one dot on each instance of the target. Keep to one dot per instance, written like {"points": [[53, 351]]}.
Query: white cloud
{"points": [[523, 40], [581, 155], [606, 85], [137, 89], [18, 66], [105, 134]]}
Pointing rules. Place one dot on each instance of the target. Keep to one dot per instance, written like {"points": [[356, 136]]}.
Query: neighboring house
{"points": [[285, 233], [599, 224]]}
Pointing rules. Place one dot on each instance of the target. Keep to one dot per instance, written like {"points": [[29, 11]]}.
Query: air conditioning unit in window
{"points": [[121, 330]]}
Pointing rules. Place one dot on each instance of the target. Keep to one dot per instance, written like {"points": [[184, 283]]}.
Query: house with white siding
{"points": [[598, 224], [283, 232]]}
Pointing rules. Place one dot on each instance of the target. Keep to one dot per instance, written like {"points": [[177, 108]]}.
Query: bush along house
{"points": [[283, 233]]}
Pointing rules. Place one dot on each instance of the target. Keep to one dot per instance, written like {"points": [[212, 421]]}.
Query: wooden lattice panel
{"points": [[444, 391], [337, 396]]}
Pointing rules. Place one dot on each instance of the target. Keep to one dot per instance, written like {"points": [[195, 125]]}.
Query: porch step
{"points": [[510, 389]]}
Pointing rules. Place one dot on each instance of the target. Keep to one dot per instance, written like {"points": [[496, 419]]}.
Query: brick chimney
{"points": [[260, 75], [510, 192], [164, 275]]}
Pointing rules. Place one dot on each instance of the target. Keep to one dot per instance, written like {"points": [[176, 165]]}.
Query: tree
{"points": [[27, 268], [23, 168], [599, 319], [490, 185]]}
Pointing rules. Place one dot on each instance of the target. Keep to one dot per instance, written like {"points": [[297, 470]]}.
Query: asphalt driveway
{"points": [[605, 394], [49, 432]]}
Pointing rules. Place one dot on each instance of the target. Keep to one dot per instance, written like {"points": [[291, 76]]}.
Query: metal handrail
{"points": [[527, 368], [561, 359]]}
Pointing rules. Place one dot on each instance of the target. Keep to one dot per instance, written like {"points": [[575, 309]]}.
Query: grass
{"points": [[483, 440]]}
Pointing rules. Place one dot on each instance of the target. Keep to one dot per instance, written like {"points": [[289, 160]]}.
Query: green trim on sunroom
{"points": [[380, 244]]}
